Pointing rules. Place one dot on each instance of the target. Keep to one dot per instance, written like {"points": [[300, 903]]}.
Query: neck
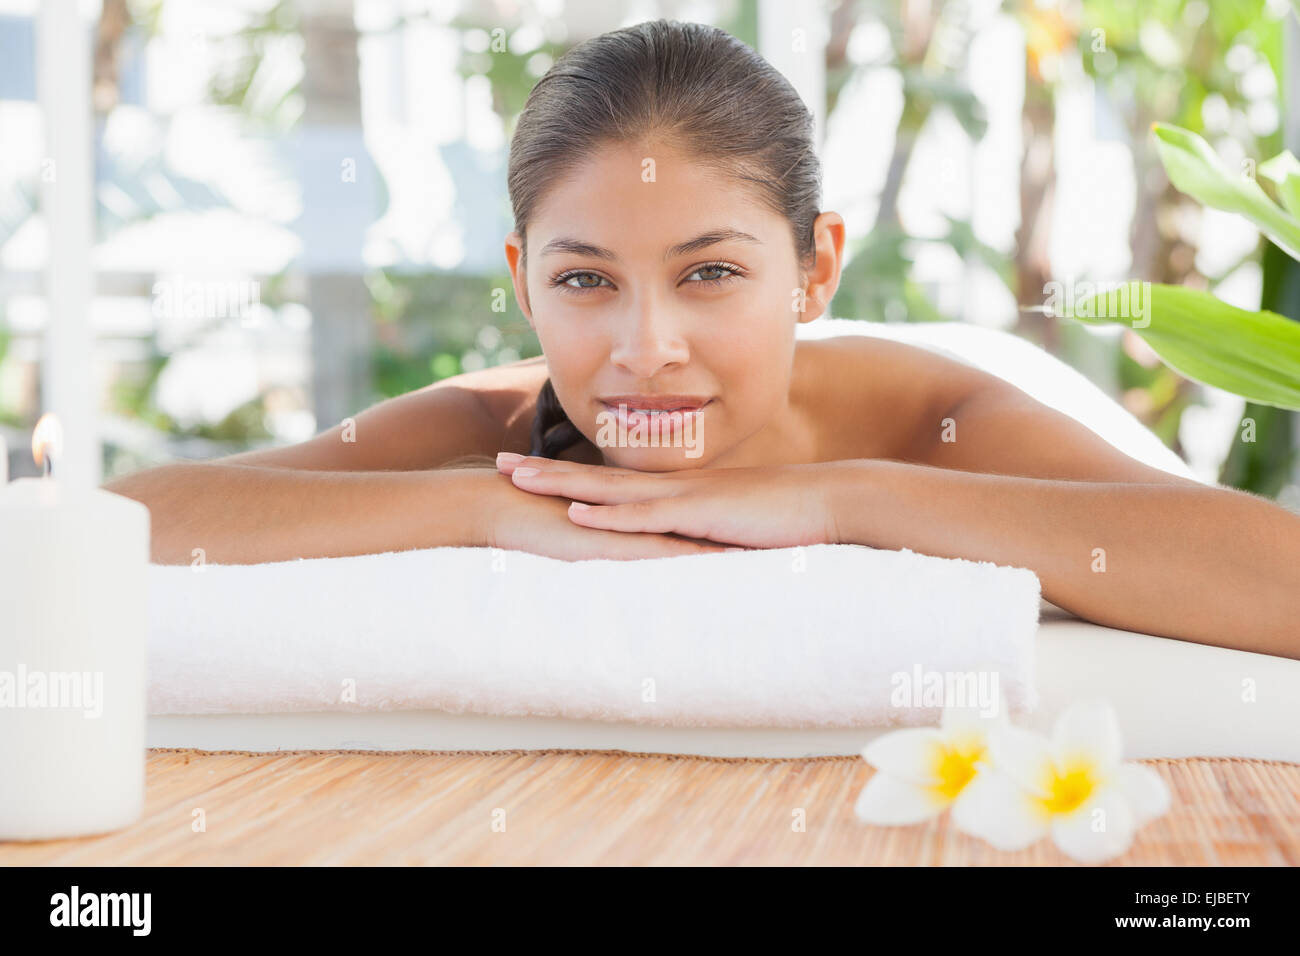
{"points": [[784, 440]]}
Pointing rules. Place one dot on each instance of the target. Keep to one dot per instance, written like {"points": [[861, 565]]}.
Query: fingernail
{"points": [[735, 549], [526, 472], [579, 506], [508, 458]]}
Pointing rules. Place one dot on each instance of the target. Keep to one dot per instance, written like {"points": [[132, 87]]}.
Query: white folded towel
{"points": [[822, 636]]}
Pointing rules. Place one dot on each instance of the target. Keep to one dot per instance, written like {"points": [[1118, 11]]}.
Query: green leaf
{"points": [[1284, 171], [1252, 354], [1195, 169]]}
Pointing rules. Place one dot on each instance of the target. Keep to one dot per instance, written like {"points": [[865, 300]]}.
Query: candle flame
{"points": [[47, 438]]}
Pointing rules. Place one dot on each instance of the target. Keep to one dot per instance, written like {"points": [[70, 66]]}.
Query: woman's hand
{"points": [[779, 506], [519, 521]]}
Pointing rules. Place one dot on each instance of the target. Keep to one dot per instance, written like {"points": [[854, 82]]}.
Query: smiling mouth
{"points": [[664, 416], [656, 403], [653, 408]]}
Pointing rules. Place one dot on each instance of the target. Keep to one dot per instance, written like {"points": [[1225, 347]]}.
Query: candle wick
{"points": [[47, 464]]}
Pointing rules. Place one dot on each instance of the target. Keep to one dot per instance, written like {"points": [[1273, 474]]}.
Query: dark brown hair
{"points": [[694, 86]]}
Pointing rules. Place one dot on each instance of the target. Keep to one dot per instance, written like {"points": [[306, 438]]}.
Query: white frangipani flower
{"points": [[1074, 787], [923, 770]]}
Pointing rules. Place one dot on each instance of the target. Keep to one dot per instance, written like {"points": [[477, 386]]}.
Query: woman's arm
{"points": [[379, 482], [364, 486], [376, 483], [1179, 559], [368, 484], [237, 514], [1111, 539], [416, 431]]}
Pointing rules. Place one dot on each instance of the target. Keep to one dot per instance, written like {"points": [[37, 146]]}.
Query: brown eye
{"points": [[713, 273], [577, 281]]}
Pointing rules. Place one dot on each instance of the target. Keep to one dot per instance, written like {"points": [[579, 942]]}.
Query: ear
{"points": [[821, 281], [515, 259]]}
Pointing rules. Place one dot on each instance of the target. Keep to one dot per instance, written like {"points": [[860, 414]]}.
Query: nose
{"points": [[648, 338]]}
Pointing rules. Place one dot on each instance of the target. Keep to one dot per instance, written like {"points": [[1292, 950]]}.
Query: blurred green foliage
{"points": [[7, 415], [269, 101], [929, 53], [1266, 464], [1166, 57], [433, 325], [1179, 61]]}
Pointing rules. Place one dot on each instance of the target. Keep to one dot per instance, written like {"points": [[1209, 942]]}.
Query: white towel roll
{"points": [[822, 636]]}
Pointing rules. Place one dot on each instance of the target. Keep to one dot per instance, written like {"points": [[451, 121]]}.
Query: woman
{"points": [[668, 240]]}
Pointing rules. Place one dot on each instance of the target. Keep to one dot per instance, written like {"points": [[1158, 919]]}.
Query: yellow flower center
{"points": [[954, 765], [1067, 789]]}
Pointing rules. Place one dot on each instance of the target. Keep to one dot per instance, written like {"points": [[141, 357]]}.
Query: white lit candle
{"points": [[74, 565]]}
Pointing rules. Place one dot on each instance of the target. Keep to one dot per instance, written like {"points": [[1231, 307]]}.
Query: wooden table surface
{"points": [[614, 808]]}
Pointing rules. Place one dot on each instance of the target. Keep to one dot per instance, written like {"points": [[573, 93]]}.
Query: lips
{"points": [[666, 415], [657, 403]]}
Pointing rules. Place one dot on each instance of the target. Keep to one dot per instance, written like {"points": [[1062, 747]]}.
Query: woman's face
{"points": [[668, 289]]}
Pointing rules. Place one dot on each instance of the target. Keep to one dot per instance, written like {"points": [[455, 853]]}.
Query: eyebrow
{"points": [[580, 248]]}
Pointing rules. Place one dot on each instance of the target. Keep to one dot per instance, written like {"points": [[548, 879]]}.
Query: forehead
{"points": [[639, 198]]}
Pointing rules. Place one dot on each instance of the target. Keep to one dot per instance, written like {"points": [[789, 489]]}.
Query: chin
{"points": [[654, 459]]}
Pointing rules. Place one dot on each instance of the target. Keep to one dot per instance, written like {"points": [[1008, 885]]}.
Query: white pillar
{"points": [[793, 37], [67, 202]]}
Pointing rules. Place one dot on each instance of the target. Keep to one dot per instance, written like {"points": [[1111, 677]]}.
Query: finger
{"points": [[593, 544], [596, 485], [632, 546], [508, 461], [653, 515]]}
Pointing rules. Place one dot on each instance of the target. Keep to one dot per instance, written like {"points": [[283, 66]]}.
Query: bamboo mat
{"points": [[568, 807]]}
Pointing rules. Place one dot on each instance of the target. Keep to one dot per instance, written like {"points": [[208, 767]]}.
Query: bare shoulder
{"points": [[904, 402], [889, 360], [475, 413], [505, 393], [877, 397]]}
